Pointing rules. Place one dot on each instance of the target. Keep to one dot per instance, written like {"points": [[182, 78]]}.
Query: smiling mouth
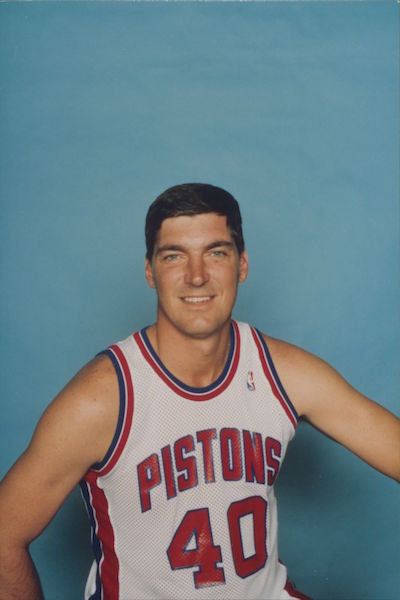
{"points": [[196, 299]]}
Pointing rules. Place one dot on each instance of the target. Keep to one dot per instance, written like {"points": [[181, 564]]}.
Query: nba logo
{"points": [[250, 381]]}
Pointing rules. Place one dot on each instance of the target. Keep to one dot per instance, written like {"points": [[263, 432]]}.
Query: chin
{"points": [[201, 330]]}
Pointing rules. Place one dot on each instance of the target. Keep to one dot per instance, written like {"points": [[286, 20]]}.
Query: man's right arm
{"points": [[73, 433]]}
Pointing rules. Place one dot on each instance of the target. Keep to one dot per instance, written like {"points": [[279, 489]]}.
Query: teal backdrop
{"points": [[293, 107]]}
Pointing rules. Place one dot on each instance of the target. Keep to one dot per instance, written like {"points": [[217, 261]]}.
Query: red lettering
{"points": [[168, 472], [196, 526], [273, 451], [188, 479], [205, 437], [253, 457], [230, 454], [148, 477], [255, 506]]}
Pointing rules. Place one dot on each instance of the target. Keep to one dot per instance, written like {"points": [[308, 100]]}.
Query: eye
{"points": [[218, 253], [170, 257]]}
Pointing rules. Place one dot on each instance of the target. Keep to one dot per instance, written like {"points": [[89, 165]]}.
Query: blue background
{"points": [[290, 106]]}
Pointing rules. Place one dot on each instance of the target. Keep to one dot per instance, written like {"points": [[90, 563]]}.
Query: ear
{"points": [[243, 266], [148, 271]]}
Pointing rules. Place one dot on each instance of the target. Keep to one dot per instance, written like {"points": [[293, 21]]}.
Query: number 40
{"points": [[206, 555]]}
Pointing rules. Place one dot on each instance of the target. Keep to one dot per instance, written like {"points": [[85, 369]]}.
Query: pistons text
{"points": [[230, 453]]}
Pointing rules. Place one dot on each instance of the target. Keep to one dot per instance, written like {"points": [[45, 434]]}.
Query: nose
{"points": [[196, 271]]}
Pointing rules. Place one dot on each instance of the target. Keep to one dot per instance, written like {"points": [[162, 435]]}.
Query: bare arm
{"points": [[74, 432], [323, 397]]}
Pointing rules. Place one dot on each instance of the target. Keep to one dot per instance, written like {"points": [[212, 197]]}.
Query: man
{"points": [[177, 433]]}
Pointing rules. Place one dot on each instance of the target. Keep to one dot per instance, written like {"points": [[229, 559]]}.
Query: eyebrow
{"points": [[177, 248]]}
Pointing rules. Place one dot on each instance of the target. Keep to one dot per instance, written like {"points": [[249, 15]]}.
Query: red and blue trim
{"points": [[273, 378], [293, 592], [107, 582], [126, 403], [180, 388]]}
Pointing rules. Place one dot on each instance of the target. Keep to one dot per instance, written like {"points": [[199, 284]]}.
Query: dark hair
{"points": [[193, 199]]}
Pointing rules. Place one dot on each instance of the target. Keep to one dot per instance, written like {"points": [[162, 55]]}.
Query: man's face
{"points": [[195, 270]]}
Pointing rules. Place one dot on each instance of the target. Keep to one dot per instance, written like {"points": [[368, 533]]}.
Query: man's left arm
{"points": [[325, 399]]}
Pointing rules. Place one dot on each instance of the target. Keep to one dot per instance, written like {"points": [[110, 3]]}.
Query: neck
{"points": [[197, 362]]}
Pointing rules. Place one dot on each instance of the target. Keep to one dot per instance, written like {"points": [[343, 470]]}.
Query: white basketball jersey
{"points": [[183, 504]]}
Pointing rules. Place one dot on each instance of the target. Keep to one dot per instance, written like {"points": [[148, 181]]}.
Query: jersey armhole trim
{"points": [[273, 377], [294, 593], [126, 402]]}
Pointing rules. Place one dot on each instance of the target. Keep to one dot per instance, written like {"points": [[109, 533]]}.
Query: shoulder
{"points": [[94, 381], [289, 355], [92, 390], [85, 413], [304, 375]]}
